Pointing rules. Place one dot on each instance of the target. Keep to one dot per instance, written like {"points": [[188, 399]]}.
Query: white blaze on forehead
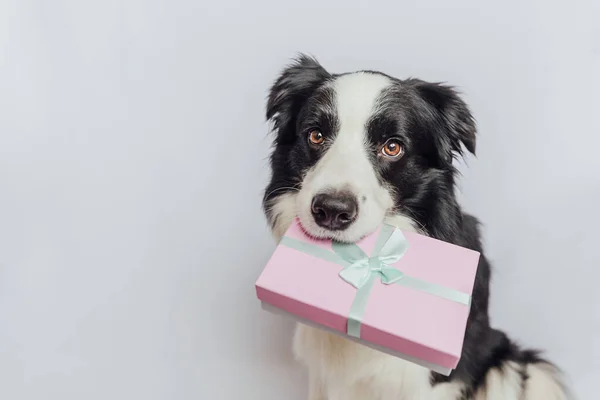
{"points": [[347, 162], [356, 98]]}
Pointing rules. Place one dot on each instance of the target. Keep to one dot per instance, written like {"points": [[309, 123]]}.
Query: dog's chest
{"points": [[350, 371]]}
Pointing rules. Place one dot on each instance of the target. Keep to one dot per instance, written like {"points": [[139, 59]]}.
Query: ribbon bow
{"points": [[362, 267]]}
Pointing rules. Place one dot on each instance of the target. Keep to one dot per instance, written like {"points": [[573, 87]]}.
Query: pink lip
{"points": [[309, 234], [327, 238]]}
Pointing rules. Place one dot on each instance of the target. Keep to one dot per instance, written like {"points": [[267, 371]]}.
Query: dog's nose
{"points": [[334, 211]]}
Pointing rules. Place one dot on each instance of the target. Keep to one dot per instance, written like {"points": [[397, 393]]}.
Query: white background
{"points": [[133, 157]]}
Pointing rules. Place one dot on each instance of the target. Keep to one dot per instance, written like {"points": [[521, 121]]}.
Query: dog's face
{"points": [[354, 149]]}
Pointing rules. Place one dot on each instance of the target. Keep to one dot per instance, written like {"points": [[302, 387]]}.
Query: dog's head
{"points": [[351, 150]]}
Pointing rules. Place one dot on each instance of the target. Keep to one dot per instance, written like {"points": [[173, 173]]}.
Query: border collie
{"points": [[356, 149]]}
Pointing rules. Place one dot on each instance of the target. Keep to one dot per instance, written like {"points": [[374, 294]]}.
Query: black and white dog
{"points": [[354, 150]]}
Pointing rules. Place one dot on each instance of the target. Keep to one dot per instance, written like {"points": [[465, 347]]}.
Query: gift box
{"points": [[398, 292]]}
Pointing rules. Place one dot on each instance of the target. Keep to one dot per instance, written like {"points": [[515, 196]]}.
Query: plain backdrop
{"points": [[133, 155]]}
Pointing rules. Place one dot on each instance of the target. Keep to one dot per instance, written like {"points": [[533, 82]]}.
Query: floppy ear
{"points": [[292, 88], [452, 115]]}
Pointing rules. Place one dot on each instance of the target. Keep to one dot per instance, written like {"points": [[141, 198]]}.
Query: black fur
{"points": [[434, 125]]}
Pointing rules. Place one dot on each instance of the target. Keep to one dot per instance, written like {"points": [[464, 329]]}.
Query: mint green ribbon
{"points": [[361, 271]]}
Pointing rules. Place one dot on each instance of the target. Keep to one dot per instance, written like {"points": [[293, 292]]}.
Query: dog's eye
{"points": [[316, 137], [392, 148]]}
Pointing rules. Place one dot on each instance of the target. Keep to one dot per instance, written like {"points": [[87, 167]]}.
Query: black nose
{"points": [[334, 211]]}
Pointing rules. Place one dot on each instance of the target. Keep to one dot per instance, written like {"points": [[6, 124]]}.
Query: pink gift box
{"points": [[420, 317]]}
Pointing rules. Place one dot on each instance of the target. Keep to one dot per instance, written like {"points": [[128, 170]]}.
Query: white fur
{"points": [[505, 384], [338, 368], [544, 383], [285, 210], [346, 163]]}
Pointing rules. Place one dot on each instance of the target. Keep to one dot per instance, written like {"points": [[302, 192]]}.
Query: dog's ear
{"points": [[291, 89], [452, 116]]}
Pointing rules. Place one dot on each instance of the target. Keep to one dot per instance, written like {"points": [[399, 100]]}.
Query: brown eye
{"points": [[316, 137], [392, 148]]}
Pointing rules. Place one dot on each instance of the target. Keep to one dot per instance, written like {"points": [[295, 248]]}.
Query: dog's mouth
{"points": [[319, 234]]}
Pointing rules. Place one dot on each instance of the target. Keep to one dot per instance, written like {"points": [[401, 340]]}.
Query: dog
{"points": [[352, 151]]}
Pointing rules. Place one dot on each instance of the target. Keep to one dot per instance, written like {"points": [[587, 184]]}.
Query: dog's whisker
{"points": [[292, 188], [412, 216]]}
